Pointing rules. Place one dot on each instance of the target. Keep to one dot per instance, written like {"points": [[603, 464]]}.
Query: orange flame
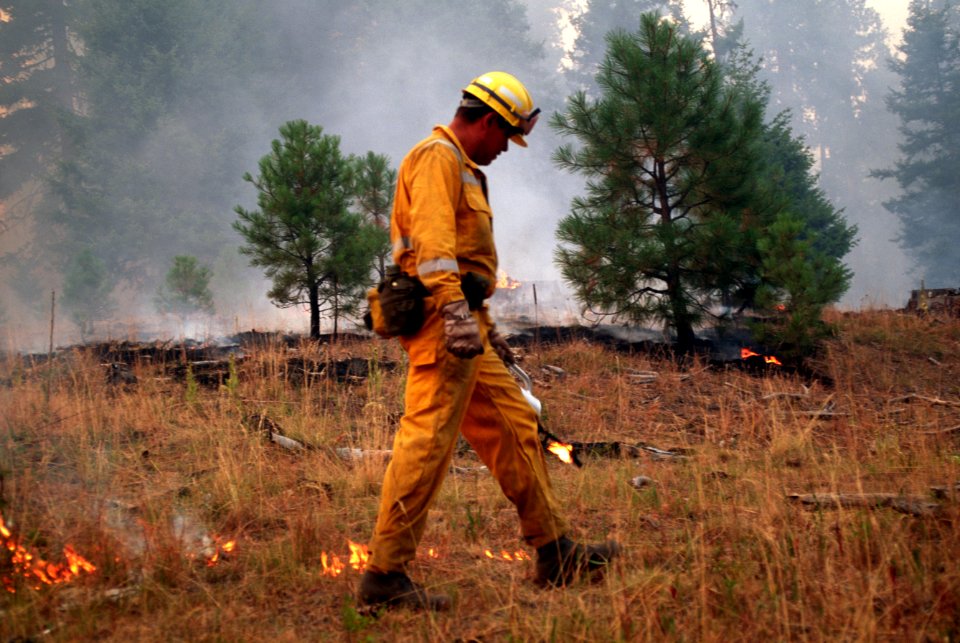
{"points": [[768, 359], [225, 548], [359, 554], [333, 566], [518, 555], [33, 568], [562, 451], [506, 282]]}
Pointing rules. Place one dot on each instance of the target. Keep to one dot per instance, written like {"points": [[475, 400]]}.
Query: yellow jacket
{"points": [[442, 226]]}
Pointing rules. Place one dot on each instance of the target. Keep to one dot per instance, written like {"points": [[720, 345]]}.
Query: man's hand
{"points": [[461, 330], [500, 345]]}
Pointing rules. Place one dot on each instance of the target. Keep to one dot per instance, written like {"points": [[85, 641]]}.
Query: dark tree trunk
{"points": [[314, 311]]}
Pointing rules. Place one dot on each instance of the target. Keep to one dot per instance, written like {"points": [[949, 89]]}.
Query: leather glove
{"points": [[461, 330], [500, 345]]}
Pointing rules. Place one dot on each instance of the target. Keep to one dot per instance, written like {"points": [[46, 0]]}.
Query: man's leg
{"points": [[502, 428], [435, 401]]}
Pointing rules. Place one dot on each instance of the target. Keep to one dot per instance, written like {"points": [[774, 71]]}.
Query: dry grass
{"points": [[714, 549]]}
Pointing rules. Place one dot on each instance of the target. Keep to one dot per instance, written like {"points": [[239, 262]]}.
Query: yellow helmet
{"points": [[508, 97]]}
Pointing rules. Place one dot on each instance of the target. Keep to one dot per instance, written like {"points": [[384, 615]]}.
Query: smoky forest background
{"points": [[131, 133]]}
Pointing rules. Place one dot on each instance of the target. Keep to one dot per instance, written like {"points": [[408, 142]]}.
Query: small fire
{"points": [[506, 282], [333, 566], [35, 569], [224, 548], [561, 450], [359, 555], [518, 555], [769, 359]]}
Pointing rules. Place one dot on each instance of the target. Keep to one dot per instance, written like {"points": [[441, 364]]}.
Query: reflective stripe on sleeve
{"points": [[401, 244], [468, 177], [437, 265]]}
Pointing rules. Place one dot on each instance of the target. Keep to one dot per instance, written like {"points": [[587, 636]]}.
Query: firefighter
{"points": [[458, 383]]}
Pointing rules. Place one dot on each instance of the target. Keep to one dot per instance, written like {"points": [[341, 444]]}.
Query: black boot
{"points": [[395, 589], [561, 562]]}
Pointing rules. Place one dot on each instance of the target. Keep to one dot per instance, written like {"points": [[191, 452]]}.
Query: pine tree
{"points": [[86, 291], [36, 89], [928, 106], [693, 200], [313, 248], [670, 159], [375, 184], [186, 289]]}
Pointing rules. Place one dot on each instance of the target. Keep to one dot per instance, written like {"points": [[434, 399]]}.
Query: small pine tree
{"points": [[186, 289], [86, 291], [316, 251]]}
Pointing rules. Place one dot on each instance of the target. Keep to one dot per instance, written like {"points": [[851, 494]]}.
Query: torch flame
{"points": [[33, 568], [562, 451]]}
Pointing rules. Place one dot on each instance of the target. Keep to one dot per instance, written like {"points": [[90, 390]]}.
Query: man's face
{"points": [[495, 141]]}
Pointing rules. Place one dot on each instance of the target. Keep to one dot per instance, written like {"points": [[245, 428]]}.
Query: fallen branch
{"points": [[952, 429], [773, 396], [618, 449], [822, 414], [912, 505], [931, 400]]}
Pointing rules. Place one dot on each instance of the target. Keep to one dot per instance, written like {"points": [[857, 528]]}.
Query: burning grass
{"points": [[196, 526]]}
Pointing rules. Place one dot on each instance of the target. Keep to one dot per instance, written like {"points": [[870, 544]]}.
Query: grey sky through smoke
{"points": [[385, 92]]}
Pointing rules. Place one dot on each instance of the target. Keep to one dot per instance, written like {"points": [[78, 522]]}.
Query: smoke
{"points": [[380, 82]]}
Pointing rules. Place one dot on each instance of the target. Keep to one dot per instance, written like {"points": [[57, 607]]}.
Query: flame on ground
{"points": [[28, 566], [518, 555], [506, 282], [769, 359], [333, 566], [561, 450], [224, 548]]}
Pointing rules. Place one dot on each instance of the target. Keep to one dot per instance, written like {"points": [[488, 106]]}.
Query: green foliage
{"points": [[314, 249], [186, 289], [800, 280], [692, 200], [375, 182], [86, 291], [193, 387], [669, 154], [232, 383], [928, 106], [598, 18]]}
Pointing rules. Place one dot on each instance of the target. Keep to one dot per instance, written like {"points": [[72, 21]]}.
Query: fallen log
{"points": [[913, 505]]}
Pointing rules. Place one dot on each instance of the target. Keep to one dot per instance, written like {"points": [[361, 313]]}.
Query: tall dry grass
{"points": [[143, 480]]}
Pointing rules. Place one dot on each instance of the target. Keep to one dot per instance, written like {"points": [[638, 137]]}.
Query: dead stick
{"points": [[914, 396], [53, 308], [913, 505], [952, 429]]}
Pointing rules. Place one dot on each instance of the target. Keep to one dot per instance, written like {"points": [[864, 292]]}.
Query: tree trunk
{"points": [[314, 311], [62, 74]]}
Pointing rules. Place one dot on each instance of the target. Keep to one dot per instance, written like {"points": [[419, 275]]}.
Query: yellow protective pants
{"points": [[480, 399]]}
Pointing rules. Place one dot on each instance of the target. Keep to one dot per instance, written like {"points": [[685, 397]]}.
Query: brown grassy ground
{"points": [[714, 550]]}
